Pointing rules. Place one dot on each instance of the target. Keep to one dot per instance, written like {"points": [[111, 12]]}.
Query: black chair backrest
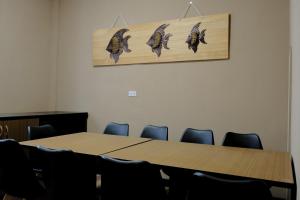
{"points": [[134, 180], [198, 136], [117, 129], [43, 131], [155, 132], [249, 140], [16, 175], [61, 174], [208, 187]]}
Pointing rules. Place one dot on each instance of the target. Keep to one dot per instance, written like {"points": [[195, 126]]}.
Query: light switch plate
{"points": [[132, 93]]}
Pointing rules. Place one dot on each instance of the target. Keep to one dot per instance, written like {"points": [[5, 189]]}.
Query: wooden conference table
{"points": [[270, 166], [87, 143]]}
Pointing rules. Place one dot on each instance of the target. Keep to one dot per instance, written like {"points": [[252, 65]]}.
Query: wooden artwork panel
{"points": [[215, 27]]}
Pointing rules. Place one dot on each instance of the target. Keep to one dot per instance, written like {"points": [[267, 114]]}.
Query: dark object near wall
{"points": [[249, 140], [117, 129], [66, 122], [15, 125], [16, 175]]}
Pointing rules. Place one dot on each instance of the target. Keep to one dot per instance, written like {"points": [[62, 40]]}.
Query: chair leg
{"points": [[9, 197]]}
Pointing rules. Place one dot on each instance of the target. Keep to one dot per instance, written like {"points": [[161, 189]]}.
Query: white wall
{"points": [[25, 56], [247, 93], [46, 63], [295, 120]]}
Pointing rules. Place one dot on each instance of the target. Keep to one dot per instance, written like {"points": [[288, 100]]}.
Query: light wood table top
{"points": [[251, 163], [87, 143]]}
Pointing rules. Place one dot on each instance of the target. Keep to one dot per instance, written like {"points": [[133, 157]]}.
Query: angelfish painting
{"points": [[196, 37], [158, 39], [118, 44]]}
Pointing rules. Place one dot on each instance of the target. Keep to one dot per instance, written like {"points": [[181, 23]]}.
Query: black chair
{"points": [[155, 132], [134, 180], [38, 132], [242, 140], [191, 135], [117, 129], [113, 128], [179, 177], [206, 187], [249, 140], [62, 174], [16, 175]]}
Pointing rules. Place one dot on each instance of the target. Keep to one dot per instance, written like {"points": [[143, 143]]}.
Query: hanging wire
{"points": [[119, 17], [183, 15]]}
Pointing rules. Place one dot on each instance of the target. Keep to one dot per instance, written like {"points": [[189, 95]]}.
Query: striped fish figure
{"points": [[159, 39], [117, 44], [196, 37]]}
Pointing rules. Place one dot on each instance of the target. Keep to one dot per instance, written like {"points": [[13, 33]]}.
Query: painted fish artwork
{"points": [[158, 39], [118, 44], [196, 37]]}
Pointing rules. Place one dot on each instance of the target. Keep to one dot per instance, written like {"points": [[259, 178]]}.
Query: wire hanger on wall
{"points": [[119, 17], [190, 4]]}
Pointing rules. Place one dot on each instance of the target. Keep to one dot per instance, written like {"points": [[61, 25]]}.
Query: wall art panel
{"points": [[188, 39]]}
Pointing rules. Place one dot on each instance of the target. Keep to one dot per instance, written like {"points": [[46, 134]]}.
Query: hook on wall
{"points": [[190, 4], [120, 16]]}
